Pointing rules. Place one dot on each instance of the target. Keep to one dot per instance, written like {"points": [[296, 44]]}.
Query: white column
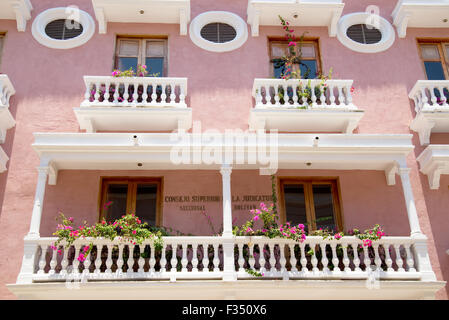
{"points": [[410, 201], [227, 237], [38, 202], [226, 171]]}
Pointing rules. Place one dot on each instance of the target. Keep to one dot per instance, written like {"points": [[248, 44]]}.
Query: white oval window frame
{"points": [[387, 30], [229, 18], [47, 16]]}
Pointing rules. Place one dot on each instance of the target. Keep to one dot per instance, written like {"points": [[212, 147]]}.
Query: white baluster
{"points": [[98, 259], [282, 259], [377, 260], [356, 259], [184, 259], [163, 259], [141, 261], [106, 92], [241, 259], [53, 261], [388, 260], [152, 261], [262, 260], [109, 260], [65, 261], [366, 259], [216, 260], [174, 260], [120, 260], [194, 257], [76, 262], [314, 259], [345, 258], [399, 261], [331, 95], [130, 261], [116, 92], [335, 260], [324, 260], [154, 94], [144, 93], [303, 259], [410, 262], [293, 259], [348, 95], [163, 95], [272, 258], [251, 260]]}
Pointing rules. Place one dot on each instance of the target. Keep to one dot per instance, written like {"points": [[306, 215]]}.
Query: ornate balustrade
{"points": [[134, 104], [303, 93], [301, 105], [432, 108], [135, 91], [205, 258]]}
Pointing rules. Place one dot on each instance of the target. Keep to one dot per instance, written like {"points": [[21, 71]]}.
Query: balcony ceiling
{"points": [[420, 14], [310, 13], [434, 161], [19, 10], [142, 11], [121, 151]]}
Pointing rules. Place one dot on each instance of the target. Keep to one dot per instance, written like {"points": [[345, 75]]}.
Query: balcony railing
{"points": [[213, 257], [432, 109], [321, 106], [134, 104], [430, 95], [135, 92]]}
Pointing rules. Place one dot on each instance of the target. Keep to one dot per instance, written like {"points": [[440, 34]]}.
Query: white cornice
{"points": [[434, 161], [312, 13], [153, 11], [123, 151], [420, 14], [19, 10]]}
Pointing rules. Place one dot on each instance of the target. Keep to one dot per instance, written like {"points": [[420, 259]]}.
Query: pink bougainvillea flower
{"points": [[367, 243], [292, 44], [352, 89], [134, 231], [256, 218]]}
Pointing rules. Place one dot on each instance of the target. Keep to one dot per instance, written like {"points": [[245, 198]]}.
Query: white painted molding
{"points": [[19, 10], [118, 151], [434, 161], [388, 34], [309, 13], [138, 11], [6, 119], [420, 14], [432, 112], [229, 18], [47, 16]]}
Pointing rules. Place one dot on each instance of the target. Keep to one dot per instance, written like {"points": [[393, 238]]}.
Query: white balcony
{"points": [[142, 11], [420, 14], [19, 10], [134, 104], [432, 108], [434, 161], [399, 266], [310, 13], [304, 106], [6, 119]]}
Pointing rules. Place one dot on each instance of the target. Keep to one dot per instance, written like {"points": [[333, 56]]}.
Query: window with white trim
{"points": [[131, 52]]}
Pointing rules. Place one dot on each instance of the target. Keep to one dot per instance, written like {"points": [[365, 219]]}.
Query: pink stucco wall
{"points": [[49, 84]]}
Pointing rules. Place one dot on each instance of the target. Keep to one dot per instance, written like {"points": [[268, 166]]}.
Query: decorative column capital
{"points": [[226, 170]]}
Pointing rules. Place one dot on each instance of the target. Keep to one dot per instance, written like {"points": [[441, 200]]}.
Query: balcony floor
{"points": [[238, 290]]}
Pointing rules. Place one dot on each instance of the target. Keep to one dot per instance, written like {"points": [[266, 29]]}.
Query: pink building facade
{"points": [[368, 146]]}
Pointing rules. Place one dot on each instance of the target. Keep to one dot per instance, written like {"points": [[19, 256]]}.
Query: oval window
{"points": [[363, 33], [218, 32], [63, 29]]}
